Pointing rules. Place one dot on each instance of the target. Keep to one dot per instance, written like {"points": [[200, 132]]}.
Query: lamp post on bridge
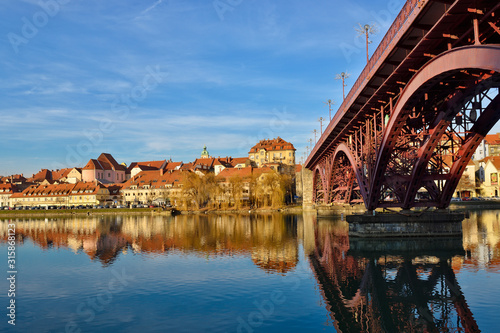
{"points": [[330, 103], [321, 124], [343, 76], [315, 131], [367, 30]]}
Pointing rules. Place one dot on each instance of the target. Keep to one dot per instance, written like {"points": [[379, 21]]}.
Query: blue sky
{"points": [[152, 79]]}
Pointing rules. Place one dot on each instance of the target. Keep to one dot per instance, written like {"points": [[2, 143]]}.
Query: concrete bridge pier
{"points": [[406, 223]]}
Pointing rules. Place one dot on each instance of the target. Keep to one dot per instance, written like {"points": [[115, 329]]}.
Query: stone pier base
{"points": [[428, 224]]}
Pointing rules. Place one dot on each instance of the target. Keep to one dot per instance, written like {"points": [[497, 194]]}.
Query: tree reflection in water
{"points": [[270, 240]]}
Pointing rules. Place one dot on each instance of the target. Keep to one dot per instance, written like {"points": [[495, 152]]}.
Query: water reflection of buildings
{"points": [[270, 240], [481, 241], [405, 285]]}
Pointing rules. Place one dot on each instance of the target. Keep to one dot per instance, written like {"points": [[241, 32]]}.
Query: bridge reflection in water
{"points": [[389, 285], [402, 285]]}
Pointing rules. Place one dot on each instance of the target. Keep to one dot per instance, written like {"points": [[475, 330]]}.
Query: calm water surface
{"points": [[242, 273]]}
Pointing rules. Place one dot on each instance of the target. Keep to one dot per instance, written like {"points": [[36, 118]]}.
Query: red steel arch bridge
{"points": [[417, 112]]}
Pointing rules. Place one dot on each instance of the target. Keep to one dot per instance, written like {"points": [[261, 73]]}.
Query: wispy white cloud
{"points": [[150, 8]]}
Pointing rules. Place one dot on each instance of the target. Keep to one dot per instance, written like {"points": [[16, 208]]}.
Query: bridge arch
{"points": [[479, 68], [337, 179], [357, 175], [319, 184]]}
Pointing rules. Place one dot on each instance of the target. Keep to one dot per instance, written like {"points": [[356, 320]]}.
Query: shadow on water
{"points": [[401, 285]]}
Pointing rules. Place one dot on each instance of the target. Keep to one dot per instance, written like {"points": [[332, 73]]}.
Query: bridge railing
{"points": [[386, 42]]}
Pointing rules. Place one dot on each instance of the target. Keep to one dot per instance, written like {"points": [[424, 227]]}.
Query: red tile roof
{"points": [[7, 188], [108, 158], [104, 162], [492, 138], [13, 179], [156, 179], [148, 165], [272, 145], [226, 174], [42, 175], [59, 174], [242, 172], [495, 160], [93, 165], [172, 165]]}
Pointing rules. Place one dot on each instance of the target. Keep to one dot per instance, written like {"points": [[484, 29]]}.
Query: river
{"points": [[246, 273]]}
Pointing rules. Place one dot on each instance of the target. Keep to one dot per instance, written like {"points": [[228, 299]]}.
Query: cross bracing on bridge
{"points": [[417, 112]]}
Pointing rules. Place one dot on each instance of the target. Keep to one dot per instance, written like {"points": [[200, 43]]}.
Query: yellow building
{"points": [[61, 195], [272, 151], [491, 186]]}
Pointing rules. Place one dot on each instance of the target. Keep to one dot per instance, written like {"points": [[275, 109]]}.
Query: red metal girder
{"points": [[484, 57], [408, 13], [483, 125], [343, 148], [454, 20], [436, 130]]}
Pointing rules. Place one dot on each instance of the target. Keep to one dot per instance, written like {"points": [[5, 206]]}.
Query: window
{"points": [[109, 174]]}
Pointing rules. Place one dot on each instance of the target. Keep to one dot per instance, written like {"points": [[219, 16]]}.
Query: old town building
{"points": [[105, 169], [155, 186], [61, 195], [272, 151]]}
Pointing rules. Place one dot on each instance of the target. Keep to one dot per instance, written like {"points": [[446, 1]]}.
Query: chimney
{"points": [[161, 172]]}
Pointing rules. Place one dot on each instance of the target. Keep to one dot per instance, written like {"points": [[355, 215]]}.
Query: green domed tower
{"points": [[204, 153]]}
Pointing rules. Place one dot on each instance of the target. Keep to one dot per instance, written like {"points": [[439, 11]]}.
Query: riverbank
{"points": [[333, 210], [81, 212]]}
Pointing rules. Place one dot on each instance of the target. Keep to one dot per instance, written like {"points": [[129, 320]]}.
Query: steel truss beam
{"points": [[421, 138]]}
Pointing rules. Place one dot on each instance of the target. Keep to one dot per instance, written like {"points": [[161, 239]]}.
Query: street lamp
{"points": [[330, 103], [367, 30], [321, 124], [343, 76], [314, 132]]}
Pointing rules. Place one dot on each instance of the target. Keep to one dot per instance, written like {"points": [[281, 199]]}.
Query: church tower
{"points": [[204, 153]]}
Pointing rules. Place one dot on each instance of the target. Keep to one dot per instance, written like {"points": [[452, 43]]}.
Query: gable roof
{"points": [[104, 162], [170, 166], [7, 188], [155, 179], [227, 173], [492, 138], [147, 165], [246, 172], [42, 175], [93, 164], [59, 174], [106, 158], [495, 160], [272, 145]]}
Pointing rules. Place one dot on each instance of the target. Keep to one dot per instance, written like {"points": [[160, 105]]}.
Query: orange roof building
{"points": [[105, 169], [272, 151], [137, 167]]}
